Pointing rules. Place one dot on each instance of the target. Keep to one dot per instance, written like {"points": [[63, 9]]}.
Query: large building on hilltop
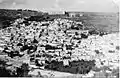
{"points": [[66, 13], [56, 13], [74, 14]]}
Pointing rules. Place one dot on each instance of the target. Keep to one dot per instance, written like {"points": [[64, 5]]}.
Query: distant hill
{"points": [[19, 12], [9, 15]]}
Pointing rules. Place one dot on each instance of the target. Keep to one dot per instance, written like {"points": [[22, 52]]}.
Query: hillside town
{"points": [[61, 45]]}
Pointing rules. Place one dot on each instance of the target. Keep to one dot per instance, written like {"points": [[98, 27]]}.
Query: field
{"points": [[101, 21]]}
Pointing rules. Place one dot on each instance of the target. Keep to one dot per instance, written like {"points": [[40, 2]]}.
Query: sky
{"points": [[62, 5]]}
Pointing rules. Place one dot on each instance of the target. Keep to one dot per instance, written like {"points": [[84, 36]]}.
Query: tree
{"points": [[3, 71], [115, 72], [23, 70]]}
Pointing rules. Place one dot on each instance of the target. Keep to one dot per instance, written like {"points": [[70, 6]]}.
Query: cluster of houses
{"points": [[60, 40]]}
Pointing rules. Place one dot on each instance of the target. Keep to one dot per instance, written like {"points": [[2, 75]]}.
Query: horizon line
{"points": [[56, 10]]}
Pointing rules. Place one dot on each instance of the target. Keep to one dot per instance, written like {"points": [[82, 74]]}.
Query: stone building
{"points": [[74, 14]]}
